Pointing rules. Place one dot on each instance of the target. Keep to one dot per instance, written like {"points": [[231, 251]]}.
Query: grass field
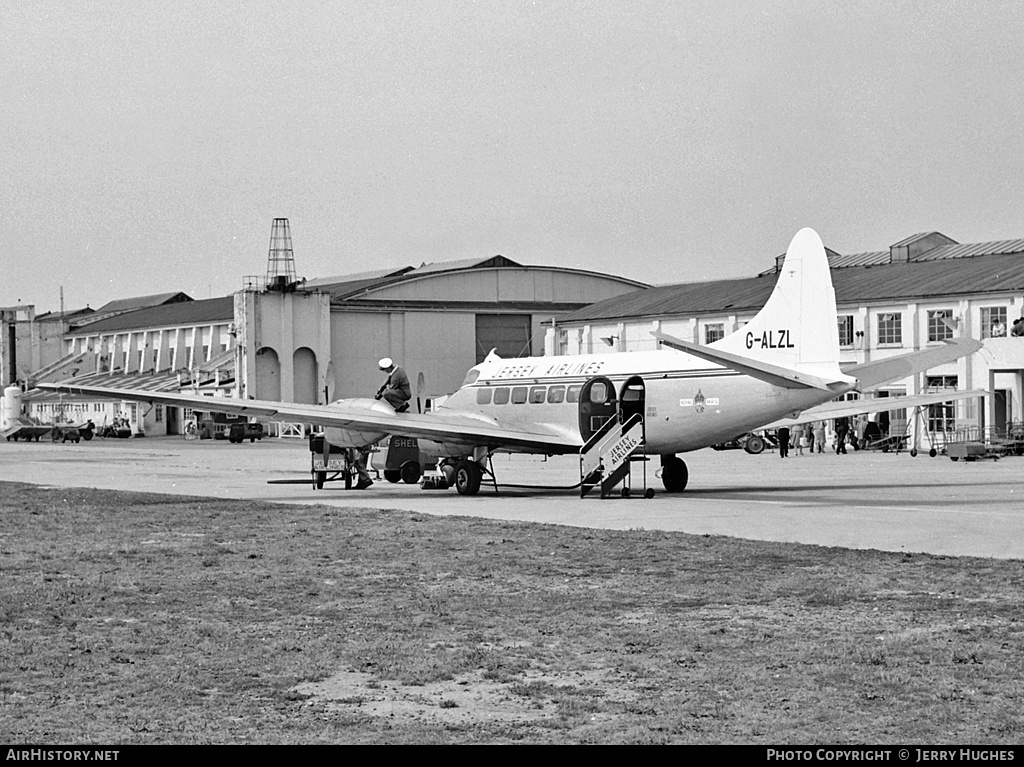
{"points": [[134, 618]]}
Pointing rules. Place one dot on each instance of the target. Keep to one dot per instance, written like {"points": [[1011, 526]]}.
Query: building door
{"points": [[508, 334], [1002, 410]]}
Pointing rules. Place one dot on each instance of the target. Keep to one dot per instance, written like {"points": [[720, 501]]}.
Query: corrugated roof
{"points": [[972, 249], [142, 302], [346, 279], [911, 239], [1002, 273], [859, 259], [204, 312], [466, 263]]}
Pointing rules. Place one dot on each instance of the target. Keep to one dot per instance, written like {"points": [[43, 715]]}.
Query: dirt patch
{"points": [[467, 700]]}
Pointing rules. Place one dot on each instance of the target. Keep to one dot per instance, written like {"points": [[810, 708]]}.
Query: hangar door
{"points": [[508, 333]]}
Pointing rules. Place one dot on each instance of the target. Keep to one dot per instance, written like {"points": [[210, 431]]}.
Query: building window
{"points": [[845, 322], [940, 324], [941, 417], [159, 413], [561, 341], [993, 321], [890, 329], [714, 331]]}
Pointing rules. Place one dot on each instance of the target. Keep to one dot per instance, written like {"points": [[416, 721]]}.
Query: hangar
{"points": [[919, 291]]}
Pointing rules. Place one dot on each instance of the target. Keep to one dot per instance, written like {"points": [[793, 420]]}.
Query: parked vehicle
{"points": [[239, 432]]}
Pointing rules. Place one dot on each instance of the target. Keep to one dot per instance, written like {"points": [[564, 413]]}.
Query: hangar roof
{"points": [[362, 285], [952, 276]]}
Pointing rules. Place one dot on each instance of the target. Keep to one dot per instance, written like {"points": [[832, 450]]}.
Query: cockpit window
{"points": [[471, 377]]}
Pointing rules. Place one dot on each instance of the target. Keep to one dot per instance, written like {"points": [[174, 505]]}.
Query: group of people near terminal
{"points": [[813, 436], [998, 329]]}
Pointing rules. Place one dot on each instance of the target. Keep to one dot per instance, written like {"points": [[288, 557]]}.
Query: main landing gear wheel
{"points": [[392, 475], [674, 474], [754, 445], [467, 477]]}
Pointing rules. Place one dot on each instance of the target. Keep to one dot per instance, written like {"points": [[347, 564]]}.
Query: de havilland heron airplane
{"points": [[783, 364]]}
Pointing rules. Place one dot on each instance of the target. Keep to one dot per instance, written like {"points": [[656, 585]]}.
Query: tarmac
{"points": [[862, 500]]}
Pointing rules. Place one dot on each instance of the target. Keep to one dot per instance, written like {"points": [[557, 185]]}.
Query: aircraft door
{"points": [[632, 398], [597, 406]]}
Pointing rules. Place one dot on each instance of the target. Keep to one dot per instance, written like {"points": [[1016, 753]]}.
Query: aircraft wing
{"points": [[871, 374], [438, 427], [846, 408], [773, 374]]}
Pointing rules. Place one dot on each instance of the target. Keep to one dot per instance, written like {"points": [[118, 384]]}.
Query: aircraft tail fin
{"points": [[796, 329]]}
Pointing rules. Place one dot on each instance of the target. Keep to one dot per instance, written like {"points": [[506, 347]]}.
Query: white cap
{"points": [[384, 363]]}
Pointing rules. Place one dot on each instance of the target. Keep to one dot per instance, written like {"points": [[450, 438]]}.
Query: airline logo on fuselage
{"points": [[771, 339], [563, 369]]}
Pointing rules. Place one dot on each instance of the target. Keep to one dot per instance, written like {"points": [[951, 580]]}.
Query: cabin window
{"points": [[519, 395], [501, 395], [538, 394], [599, 392], [572, 394], [483, 396], [556, 394]]}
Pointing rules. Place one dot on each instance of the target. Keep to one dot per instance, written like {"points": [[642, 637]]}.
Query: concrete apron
{"points": [[862, 500]]}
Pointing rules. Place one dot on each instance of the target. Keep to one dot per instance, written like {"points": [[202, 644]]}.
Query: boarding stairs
{"points": [[608, 456]]}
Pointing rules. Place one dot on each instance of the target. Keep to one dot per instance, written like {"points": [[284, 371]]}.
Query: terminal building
{"points": [[918, 292]]}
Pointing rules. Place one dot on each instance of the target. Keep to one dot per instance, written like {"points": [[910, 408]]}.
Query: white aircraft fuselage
{"points": [[687, 403]]}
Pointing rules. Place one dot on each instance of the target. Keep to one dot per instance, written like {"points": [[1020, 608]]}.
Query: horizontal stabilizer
{"points": [[773, 374], [854, 407], [871, 374]]}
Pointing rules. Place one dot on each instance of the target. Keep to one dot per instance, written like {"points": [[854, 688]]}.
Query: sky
{"points": [[148, 146]]}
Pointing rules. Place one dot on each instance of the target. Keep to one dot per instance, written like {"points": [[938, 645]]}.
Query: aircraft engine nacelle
{"points": [[358, 437]]}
